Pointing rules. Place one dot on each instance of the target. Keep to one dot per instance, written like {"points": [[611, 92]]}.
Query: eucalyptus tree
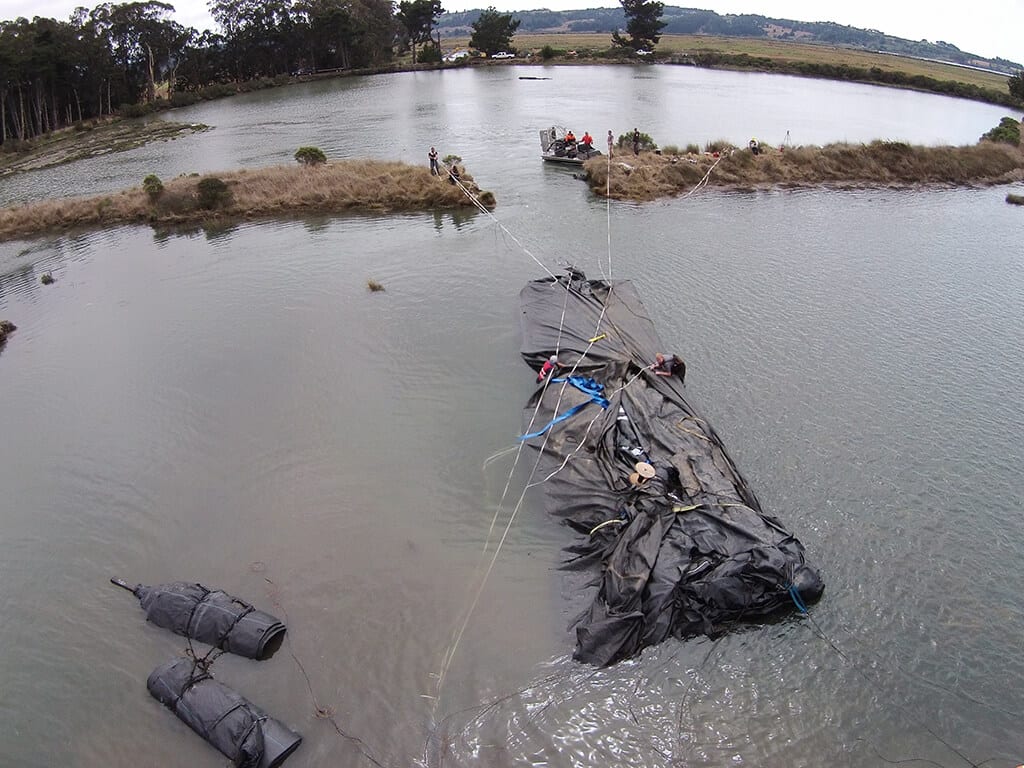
{"points": [[417, 19], [643, 24], [493, 31]]}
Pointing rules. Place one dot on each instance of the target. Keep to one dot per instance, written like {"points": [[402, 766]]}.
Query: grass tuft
{"points": [[47, 279], [374, 286]]}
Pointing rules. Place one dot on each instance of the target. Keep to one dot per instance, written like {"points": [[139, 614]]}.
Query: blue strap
{"points": [[797, 600], [587, 386]]}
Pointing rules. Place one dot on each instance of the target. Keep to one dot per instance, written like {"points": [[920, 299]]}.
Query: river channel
{"points": [[235, 407]]}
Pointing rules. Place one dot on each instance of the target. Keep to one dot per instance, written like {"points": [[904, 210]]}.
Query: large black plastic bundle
{"points": [[211, 616], [239, 729], [685, 551]]}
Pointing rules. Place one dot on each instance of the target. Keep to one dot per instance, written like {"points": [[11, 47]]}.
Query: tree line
{"points": [[100, 61]]}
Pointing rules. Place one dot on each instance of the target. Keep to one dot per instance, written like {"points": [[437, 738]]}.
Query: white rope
{"points": [[457, 638], [483, 209]]}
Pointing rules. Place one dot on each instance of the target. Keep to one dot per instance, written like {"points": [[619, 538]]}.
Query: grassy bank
{"points": [[247, 194], [778, 56], [879, 164], [89, 139]]}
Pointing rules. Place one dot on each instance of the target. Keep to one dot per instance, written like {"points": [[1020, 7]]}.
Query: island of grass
{"points": [[309, 187], [650, 174]]}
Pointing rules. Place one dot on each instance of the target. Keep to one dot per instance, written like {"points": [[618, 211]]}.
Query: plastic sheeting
{"points": [[239, 729], [210, 616], [686, 552]]}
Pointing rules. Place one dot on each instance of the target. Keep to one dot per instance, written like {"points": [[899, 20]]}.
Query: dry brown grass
{"points": [[331, 188], [879, 164]]}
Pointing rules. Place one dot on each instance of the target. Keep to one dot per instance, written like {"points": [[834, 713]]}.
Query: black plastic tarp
{"points": [[239, 729], [686, 552], [210, 616]]}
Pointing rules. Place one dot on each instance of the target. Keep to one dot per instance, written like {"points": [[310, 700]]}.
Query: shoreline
{"points": [[97, 137], [880, 164], [247, 194]]}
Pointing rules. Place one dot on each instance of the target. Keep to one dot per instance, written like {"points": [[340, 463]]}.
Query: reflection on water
{"points": [[181, 406]]}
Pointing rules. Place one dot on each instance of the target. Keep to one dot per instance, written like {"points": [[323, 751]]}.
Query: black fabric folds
{"points": [[686, 552], [212, 617], [239, 729]]}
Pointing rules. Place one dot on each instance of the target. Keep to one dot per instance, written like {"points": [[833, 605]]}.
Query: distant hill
{"points": [[693, 21]]}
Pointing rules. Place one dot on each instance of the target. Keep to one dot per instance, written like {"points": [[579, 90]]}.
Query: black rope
{"points": [[321, 713]]}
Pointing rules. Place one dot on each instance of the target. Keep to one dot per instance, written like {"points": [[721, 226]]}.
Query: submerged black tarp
{"points": [[210, 616], [239, 729], [687, 552]]}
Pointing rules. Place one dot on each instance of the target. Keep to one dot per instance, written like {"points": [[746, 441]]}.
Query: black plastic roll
{"points": [[210, 616], [243, 732]]}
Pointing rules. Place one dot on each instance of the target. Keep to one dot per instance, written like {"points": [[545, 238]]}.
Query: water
{"points": [[236, 408]]}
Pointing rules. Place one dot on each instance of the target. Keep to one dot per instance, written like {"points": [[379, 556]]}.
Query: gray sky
{"points": [[990, 28]]}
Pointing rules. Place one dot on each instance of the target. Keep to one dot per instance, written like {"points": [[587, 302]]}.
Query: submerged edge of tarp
{"points": [[689, 551]]}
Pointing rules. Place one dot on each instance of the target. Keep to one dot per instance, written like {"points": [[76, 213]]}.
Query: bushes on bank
{"points": [[153, 187], [1007, 132], [212, 193], [310, 156]]}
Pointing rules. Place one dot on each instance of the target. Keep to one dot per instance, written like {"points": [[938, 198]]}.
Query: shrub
{"points": [[547, 52], [212, 193], [1007, 132], [646, 142], [1015, 199], [374, 286], [47, 279], [670, 149], [718, 145], [153, 187], [451, 159], [693, 149], [429, 54], [310, 156]]}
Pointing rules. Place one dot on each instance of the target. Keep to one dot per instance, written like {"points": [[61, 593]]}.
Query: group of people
{"points": [[663, 365], [435, 167]]}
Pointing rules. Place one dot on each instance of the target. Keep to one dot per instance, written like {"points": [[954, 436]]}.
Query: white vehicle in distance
{"points": [[503, 55], [456, 56]]}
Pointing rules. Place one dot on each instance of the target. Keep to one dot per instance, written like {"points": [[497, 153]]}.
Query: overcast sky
{"points": [[990, 28]]}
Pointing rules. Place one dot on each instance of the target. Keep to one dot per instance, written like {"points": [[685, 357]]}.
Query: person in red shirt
{"points": [[588, 140]]}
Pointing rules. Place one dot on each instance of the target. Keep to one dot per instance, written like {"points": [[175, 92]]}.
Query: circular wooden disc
{"points": [[645, 470]]}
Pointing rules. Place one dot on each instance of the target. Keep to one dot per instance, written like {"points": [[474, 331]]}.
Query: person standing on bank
{"points": [[611, 143], [636, 142], [434, 170]]}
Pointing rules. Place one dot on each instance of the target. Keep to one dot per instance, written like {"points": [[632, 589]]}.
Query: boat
{"points": [[670, 539], [555, 149]]}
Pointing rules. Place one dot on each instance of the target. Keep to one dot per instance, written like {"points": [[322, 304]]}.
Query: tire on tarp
{"points": [[242, 732]]}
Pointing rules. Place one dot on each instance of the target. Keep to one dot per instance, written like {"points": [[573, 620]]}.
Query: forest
{"points": [[116, 57]]}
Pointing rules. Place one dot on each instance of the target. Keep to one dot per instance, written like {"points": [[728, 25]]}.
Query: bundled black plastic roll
{"points": [[210, 616], [247, 735]]}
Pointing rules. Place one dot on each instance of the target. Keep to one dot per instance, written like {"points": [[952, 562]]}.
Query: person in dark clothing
{"points": [[669, 366], [453, 174], [636, 142], [434, 169]]}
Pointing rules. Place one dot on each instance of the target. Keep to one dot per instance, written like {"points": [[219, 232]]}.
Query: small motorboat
{"points": [[556, 149]]}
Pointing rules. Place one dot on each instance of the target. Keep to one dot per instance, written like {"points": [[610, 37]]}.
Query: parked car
{"points": [[503, 55], [457, 56]]}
